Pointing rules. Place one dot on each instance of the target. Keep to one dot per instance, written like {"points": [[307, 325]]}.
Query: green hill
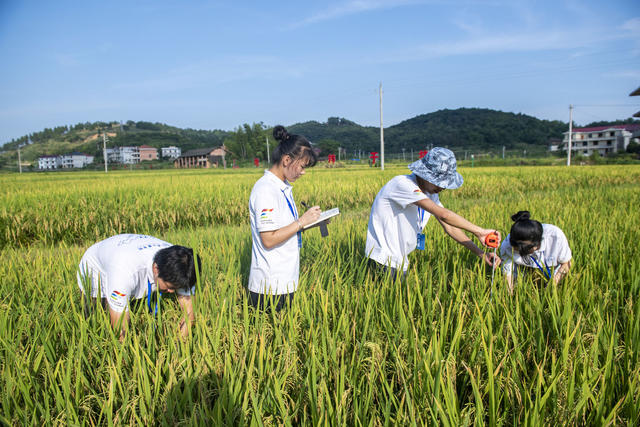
{"points": [[464, 128], [476, 129], [87, 138]]}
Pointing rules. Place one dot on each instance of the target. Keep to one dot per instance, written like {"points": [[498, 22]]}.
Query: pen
{"points": [[305, 205]]}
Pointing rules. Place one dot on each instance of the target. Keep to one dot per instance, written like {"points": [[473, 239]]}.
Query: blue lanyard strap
{"points": [[546, 274], [149, 298], [420, 217], [294, 212]]}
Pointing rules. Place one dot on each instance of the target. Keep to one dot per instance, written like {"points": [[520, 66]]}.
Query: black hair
{"points": [[526, 233], [176, 266], [296, 146]]}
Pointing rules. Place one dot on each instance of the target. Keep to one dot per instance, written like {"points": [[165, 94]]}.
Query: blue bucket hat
{"points": [[439, 168]]}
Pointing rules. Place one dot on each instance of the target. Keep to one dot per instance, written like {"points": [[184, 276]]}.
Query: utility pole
{"points": [[403, 159], [570, 132], [19, 160], [381, 133], [268, 156], [503, 152], [104, 150]]}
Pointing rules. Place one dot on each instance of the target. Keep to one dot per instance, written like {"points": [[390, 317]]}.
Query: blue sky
{"points": [[216, 65]]}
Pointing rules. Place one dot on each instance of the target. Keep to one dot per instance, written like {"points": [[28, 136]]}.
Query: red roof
{"points": [[146, 146], [600, 128]]}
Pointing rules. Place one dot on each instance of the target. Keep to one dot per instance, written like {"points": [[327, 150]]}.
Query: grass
{"points": [[436, 350]]}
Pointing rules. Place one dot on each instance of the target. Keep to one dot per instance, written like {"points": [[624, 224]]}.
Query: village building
{"points": [[75, 160], [49, 162], [202, 158], [147, 153], [125, 155], [603, 140], [64, 161], [171, 152]]}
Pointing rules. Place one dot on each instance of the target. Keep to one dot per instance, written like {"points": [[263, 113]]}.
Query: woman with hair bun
{"points": [[535, 245], [276, 228]]}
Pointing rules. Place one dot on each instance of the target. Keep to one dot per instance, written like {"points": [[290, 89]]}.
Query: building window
{"points": [[585, 152], [609, 143], [584, 144]]}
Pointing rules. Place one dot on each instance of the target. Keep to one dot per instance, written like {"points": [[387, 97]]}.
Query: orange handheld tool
{"points": [[492, 240]]}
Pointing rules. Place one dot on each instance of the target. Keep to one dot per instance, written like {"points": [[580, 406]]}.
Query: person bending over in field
{"points": [[534, 245], [134, 266], [276, 228], [403, 206]]}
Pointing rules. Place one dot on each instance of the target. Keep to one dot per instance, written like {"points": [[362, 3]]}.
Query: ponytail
{"points": [[525, 233], [295, 146]]}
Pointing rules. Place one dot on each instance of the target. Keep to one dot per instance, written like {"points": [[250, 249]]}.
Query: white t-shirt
{"points": [[395, 221], [121, 268], [273, 271], [554, 250]]}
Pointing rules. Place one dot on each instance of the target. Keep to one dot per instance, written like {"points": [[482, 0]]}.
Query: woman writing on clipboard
{"points": [[276, 227]]}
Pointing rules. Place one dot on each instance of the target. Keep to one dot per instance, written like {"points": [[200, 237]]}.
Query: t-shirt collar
{"points": [[282, 185], [412, 177]]}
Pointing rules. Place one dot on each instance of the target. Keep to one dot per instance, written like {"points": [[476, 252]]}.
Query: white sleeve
{"points": [[564, 251], [406, 192], [506, 255], [186, 292], [119, 288], [266, 211]]}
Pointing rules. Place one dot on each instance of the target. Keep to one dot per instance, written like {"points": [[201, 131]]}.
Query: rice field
{"points": [[351, 351]]}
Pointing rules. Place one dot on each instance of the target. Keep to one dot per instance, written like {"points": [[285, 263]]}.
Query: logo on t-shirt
{"points": [[265, 215], [118, 299], [417, 190]]}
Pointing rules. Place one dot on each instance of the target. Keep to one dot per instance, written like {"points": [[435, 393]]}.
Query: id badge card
{"points": [[421, 241]]}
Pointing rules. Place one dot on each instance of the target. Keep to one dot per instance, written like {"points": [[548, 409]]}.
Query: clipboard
{"points": [[323, 217]]}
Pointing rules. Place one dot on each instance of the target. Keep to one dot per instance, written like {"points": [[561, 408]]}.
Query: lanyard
{"points": [[149, 298], [546, 274], [294, 212], [420, 218]]}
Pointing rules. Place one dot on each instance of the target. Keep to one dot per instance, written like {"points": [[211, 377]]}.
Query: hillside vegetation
{"points": [[477, 129]]}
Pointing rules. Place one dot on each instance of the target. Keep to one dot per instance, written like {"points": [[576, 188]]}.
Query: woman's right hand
{"points": [[310, 216]]}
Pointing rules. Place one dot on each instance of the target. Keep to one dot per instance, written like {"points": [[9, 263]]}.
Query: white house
{"points": [[129, 155], [65, 161], [126, 155], [171, 152], [601, 139], [75, 160], [49, 162]]}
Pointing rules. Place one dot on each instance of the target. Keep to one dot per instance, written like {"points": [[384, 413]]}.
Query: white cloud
{"points": [[632, 25], [625, 74], [581, 42], [351, 8]]}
